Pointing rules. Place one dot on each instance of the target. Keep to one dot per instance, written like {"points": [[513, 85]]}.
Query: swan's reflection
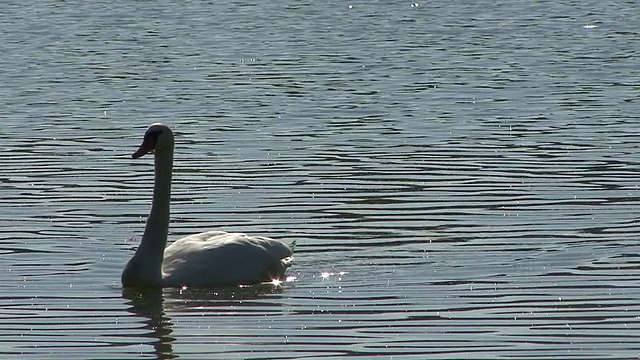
{"points": [[152, 303], [148, 303]]}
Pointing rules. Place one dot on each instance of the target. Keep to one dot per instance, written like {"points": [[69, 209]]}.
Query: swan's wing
{"points": [[220, 258]]}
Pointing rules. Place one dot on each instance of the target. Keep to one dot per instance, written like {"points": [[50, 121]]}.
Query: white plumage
{"points": [[206, 259]]}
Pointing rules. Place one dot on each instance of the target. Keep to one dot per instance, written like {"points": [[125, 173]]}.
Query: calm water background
{"points": [[464, 173]]}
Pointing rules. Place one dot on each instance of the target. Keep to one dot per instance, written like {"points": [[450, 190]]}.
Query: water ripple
{"points": [[460, 179]]}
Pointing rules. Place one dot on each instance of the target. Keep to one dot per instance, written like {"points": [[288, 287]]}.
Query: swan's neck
{"points": [[154, 239], [145, 268]]}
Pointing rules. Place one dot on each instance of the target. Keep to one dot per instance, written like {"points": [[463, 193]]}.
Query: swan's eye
{"points": [[148, 144], [152, 137]]}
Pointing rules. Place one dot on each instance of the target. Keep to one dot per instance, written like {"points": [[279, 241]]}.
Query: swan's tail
{"points": [[288, 261]]}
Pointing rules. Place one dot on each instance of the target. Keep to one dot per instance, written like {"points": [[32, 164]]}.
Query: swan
{"points": [[213, 258]]}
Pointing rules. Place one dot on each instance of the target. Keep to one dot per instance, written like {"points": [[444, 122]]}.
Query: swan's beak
{"points": [[145, 148]]}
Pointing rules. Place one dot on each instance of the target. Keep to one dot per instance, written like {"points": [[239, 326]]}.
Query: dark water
{"points": [[461, 179]]}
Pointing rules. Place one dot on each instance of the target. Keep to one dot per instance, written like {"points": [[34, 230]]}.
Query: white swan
{"points": [[206, 259]]}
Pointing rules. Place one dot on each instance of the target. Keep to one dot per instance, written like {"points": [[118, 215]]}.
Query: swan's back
{"points": [[221, 258]]}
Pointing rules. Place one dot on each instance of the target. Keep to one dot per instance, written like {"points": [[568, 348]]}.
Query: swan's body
{"points": [[205, 259]]}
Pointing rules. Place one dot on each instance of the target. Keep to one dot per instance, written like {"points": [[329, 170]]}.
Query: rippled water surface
{"points": [[461, 178]]}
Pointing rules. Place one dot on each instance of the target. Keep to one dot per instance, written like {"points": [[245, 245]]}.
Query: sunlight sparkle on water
{"points": [[326, 274], [278, 282]]}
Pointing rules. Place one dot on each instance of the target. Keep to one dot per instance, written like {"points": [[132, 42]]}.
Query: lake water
{"points": [[461, 178]]}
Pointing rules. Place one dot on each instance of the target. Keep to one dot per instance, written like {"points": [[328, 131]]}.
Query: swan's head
{"points": [[158, 138]]}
